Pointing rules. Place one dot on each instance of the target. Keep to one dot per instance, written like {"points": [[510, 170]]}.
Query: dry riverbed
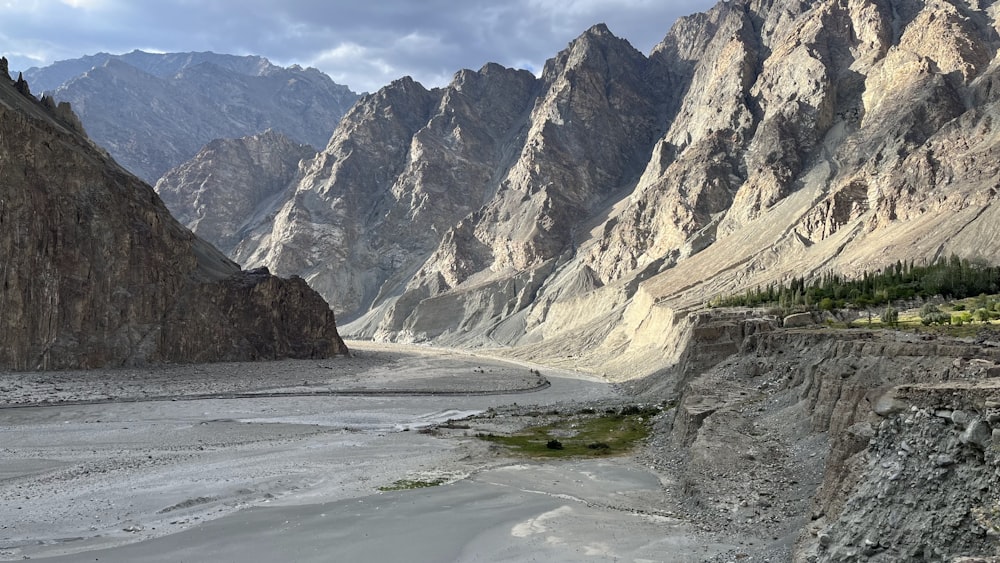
{"points": [[295, 460]]}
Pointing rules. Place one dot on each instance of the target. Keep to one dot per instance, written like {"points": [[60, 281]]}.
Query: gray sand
{"points": [[296, 478], [473, 520]]}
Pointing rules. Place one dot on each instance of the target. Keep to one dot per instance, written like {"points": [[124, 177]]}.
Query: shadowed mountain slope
{"points": [[97, 273]]}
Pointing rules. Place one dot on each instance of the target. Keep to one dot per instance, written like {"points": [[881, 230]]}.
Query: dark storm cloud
{"points": [[363, 44]]}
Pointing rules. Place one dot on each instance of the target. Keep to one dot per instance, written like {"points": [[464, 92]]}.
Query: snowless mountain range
{"points": [[153, 112], [587, 209]]}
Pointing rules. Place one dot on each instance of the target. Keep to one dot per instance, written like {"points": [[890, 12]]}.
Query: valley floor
{"points": [[284, 461]]}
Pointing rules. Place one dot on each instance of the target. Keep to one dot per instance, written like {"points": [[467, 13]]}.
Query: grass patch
{"points": [[580, 436], [409, 484], [910, 322]]}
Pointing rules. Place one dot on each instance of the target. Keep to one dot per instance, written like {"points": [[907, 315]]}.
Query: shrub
{"points": [[935, 319], [982, 315], [554, 445]]}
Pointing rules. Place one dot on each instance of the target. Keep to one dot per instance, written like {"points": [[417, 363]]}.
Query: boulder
{"points": [[797, 320]]}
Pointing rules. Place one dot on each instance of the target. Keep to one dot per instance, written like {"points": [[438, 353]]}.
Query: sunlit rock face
{"points": [[757, 141], [230, 183]]}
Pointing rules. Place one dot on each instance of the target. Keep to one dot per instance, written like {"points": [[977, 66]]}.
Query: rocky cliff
{"points": [[97, 273], [155, 111], [230, 183], [817, 444], [577, 214]]}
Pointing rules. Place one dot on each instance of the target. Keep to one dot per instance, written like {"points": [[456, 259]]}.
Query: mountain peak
{"points": [[599, 29], [597, 47], [598, 34]]}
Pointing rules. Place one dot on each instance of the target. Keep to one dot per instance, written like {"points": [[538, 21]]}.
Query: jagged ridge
{"points": [[155, 111]]}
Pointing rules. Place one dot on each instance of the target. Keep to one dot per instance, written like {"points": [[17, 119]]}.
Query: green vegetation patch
{"points": [[953, 277], [408, 484], [958, 319], [581, 435]]}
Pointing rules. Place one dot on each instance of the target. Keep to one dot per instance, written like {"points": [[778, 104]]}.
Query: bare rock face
{"points": [[250, 316], [96, 270], [405, 165], [465, 186], [328, 227], [230, 182], [782, 434], [155, 111]]}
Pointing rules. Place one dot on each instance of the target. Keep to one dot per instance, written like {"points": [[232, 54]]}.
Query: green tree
{"points": [[890, 316]]}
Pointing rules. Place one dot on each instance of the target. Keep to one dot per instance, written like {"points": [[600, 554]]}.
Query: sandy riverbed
{"points": [[158, 465]]}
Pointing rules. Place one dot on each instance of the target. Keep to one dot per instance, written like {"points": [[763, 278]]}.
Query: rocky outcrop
{"points": [[831, 445], [250, 316], [153, 112], [925, 485], [97, 273], [230, 183]]}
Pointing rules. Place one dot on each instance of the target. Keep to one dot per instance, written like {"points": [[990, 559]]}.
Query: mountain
{"points": [[583, 213], [155, 111], [162, 65], [97, 273], [230, 182]]}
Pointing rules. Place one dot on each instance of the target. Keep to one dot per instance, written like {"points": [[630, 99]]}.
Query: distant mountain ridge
{"points": [[154, 111], [583, 213], [162, 65]]}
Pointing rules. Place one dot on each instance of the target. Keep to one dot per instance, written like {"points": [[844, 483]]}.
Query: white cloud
{"points": [[343, 53], [85, 4], [363, 68]]}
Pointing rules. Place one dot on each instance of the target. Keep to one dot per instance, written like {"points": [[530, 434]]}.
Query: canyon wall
{"points": [[97, 273]]}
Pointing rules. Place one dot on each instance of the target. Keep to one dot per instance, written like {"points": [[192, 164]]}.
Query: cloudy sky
{"points": [[361, 43]]}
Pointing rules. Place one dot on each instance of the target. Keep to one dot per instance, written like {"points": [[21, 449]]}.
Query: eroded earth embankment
{"points": [[820, 444]]}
